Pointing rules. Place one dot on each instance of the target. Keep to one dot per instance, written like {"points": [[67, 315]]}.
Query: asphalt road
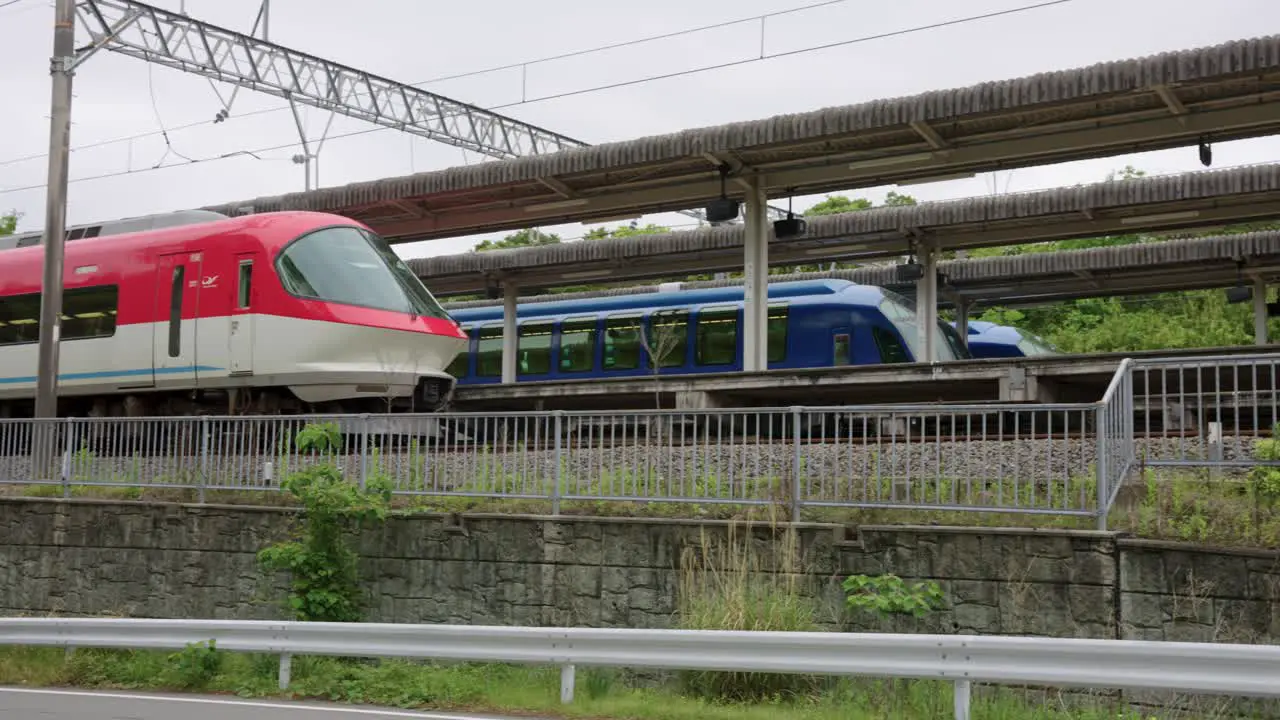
{"points": [[40, 704]]}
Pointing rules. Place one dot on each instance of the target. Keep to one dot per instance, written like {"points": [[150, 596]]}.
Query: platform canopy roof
{"points": [[1165, 203], [1197, 263], [1224, 92]]}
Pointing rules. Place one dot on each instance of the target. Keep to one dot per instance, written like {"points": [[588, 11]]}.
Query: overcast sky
{"points": [[417, 40]]}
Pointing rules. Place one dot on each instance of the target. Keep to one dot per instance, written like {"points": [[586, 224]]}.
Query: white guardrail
{"points": [[1211, 668]]}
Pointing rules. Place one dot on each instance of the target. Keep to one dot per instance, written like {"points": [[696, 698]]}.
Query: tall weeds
{"points": [[746, 583]]}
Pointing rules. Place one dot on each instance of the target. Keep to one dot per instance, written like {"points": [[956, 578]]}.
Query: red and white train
{"points": [[197, 313]]}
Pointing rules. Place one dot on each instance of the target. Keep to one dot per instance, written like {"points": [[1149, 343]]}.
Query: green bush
{"points": [[324, 576]]}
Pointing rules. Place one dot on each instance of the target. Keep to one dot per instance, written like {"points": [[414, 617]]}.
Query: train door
{"points": [[841, 348], [242, 315], [178, 284]]}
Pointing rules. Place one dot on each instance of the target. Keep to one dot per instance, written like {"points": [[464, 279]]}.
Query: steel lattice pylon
{"points": [[177, 41]]}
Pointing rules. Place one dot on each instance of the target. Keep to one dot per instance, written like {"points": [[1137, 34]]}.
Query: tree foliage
{"points": [[8, 223]]}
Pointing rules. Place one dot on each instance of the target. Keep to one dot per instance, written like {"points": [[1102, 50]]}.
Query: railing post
{"points": [[1100, 467], [286, 668], [962, 689], [67, 453], [364, 450], [796, 416], [204, 458], [567, 674], [557, 427]]}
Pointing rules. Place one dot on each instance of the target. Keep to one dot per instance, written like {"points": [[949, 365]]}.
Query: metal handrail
{"points": [[1213, 668]]}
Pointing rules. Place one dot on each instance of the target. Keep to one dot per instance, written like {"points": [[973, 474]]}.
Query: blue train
{"points": [[811, 323], [989, 340]]}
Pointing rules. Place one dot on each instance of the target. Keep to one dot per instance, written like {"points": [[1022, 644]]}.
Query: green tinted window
{"points": [[577, 345], [777, 333], [891, 349], [668, 337], [717, 336], [489, 352], [840, 350], [458, 368], [87, 312], [534, 350], [622, 347]]}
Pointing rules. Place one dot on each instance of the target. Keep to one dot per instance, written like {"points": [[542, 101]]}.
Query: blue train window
{"points": [[840, 350], [489, 352], [717, 336], [458, 368], [891, 349], [622, 346], [667, 338], [777, 333], [534, 348], [577, 345]]}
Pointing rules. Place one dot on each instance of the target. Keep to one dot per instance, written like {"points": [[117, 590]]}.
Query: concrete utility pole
{"points": [[64, 39]]}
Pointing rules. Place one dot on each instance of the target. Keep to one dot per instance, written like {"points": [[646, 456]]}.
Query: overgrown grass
{"points": [[500, 688], [1187, 505]]}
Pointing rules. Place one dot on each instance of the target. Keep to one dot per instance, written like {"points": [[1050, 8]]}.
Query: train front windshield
{"points": [[352, 266], [901, 311]]}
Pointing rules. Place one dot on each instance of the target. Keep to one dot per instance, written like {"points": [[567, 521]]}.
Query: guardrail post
{"points": [[796, 417], [567, 674], [286, 668], [557, 429], [963, 688]]}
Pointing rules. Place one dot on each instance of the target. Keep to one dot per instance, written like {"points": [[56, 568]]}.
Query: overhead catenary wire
{"points": [[459, 76], [571, 93]]}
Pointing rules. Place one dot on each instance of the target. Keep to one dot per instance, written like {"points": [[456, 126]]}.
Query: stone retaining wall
{"points": [[96, 557]]}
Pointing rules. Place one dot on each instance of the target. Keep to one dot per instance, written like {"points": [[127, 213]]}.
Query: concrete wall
{"points": [[92, 557]]}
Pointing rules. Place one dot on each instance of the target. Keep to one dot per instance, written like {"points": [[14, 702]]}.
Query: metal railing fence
{"points": [[988, 457], [1215, 412], [1207, 411], [1185, 667]]}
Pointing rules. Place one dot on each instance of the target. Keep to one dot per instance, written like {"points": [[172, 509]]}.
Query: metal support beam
{"points": [[55, 219], [179, 42], [962, 320], [510, 294], [755, 310], [1260, 312], [245, 61], [927, 303]]}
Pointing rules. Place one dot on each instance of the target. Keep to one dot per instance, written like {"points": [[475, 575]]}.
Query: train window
{"points": [[622, 346], [20, 319], [777, 333], [458, 368], [87, 312], [489, 352], [890, 347], [246, 278], [535, 348], [840, 350], [351, 266], [667, 338], [954, 341], [578, 345], [175, 312], [717, 336]]}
